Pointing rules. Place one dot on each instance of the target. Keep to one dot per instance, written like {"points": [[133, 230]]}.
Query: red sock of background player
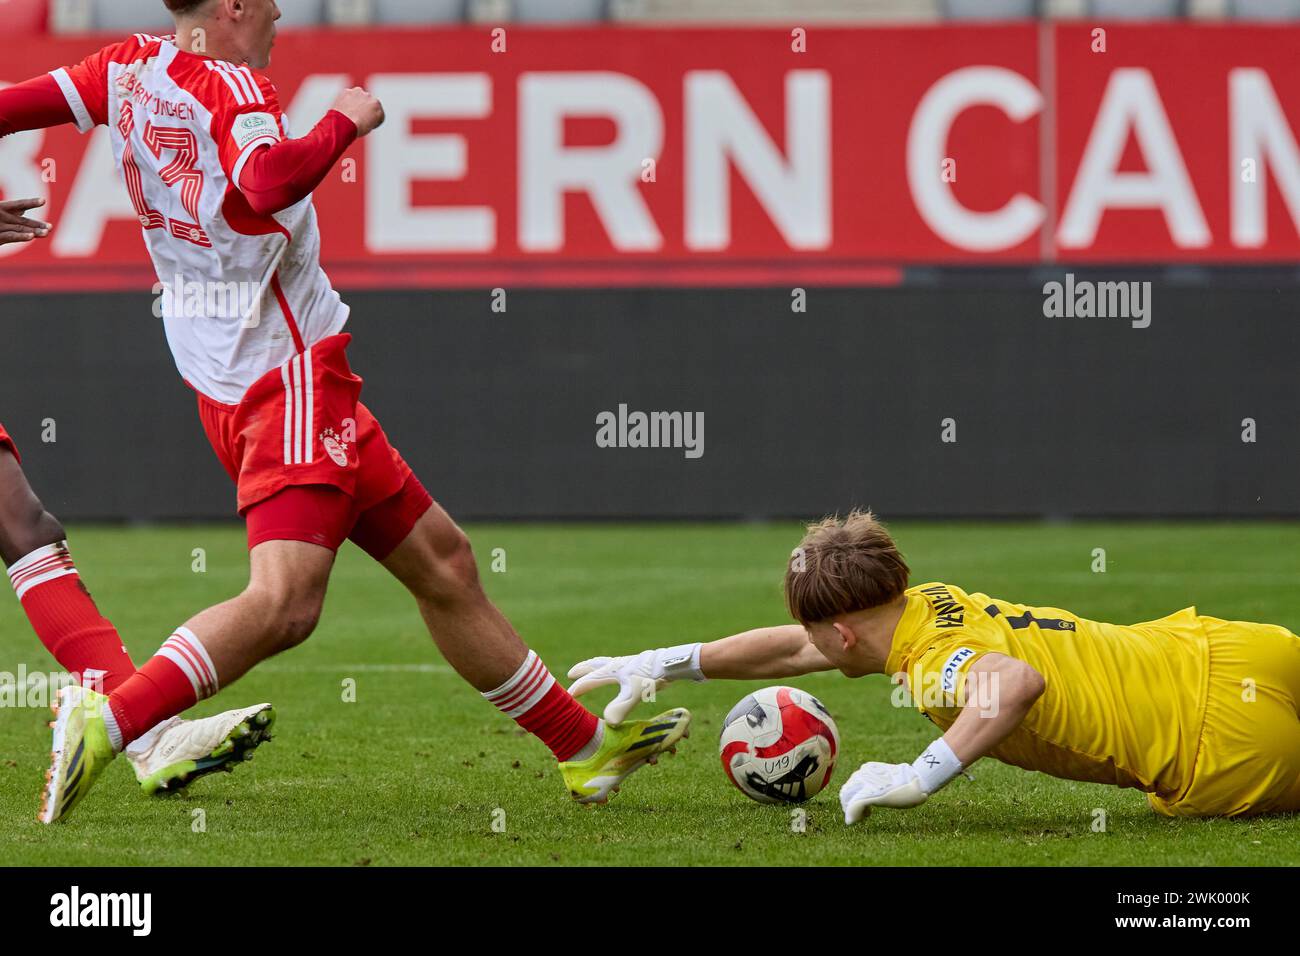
{"points": [[545, 709], [65, 618]]}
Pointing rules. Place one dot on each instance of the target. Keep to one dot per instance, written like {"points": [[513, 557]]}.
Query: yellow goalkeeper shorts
{"points": [[1248, 759]]}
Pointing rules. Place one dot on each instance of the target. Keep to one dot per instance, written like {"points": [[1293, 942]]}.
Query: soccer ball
{"points": [[778, 745]]}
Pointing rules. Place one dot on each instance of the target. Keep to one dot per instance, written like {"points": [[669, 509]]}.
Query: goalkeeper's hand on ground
{"points": [[895, 785], [899, 785], [638, 676]]}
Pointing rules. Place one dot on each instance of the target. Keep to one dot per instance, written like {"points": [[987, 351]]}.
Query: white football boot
{"points": [[177, 752]]}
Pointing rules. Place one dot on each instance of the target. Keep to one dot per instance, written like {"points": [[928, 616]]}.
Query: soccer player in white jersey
{"points": [[223, 197], [34, 549]]}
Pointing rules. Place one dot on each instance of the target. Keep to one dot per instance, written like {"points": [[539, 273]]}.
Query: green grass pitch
{"points": [[418, 768]]}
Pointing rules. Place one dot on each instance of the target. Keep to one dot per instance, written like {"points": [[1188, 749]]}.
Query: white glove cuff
{"points": [[681, 662], [936, 766]]}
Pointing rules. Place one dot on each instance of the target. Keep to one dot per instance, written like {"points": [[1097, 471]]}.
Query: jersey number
{"points": [[1022, 621], [182, 171]]}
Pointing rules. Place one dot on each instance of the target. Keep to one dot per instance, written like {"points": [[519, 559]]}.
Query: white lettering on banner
{"points": [[396, 158], [728, 142], [1131, 105], [1259, 130], [721, 130], [609, 175], [927, 144]]}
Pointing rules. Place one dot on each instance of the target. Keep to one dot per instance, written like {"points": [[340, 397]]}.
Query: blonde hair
{"points": [[841, 566]]}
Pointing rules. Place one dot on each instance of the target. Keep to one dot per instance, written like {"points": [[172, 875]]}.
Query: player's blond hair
{"points": [[841, 566]]}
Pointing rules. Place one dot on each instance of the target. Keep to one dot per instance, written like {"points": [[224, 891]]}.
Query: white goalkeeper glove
{"points": [[875, 784], [898, 785], [638, 676]]}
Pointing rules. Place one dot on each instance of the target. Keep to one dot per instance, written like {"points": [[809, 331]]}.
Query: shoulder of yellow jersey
{"points": [[939, 615], [943, 631]]}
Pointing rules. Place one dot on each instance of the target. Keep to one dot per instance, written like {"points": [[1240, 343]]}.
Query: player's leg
{"points": [[435, 562], [299, 503], [279, 609], [34, 548], [84, 642]]}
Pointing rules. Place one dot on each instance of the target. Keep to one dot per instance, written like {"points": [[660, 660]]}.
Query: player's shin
{"points": [[66, 620], [536, 702]]}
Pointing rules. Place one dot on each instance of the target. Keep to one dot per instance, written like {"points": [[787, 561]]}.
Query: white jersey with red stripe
{"points": [[241, 292]]}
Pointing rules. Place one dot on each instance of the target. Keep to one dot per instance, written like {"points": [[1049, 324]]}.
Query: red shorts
{"points": [[7, 442], [310, 462]]}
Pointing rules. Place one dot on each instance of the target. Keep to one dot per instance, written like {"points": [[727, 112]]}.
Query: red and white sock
{"points": [[65, 618], [176, 678], [545, 709]]}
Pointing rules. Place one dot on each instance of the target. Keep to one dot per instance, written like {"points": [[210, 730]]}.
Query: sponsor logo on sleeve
{"points": [[254, 126], [953, 667]]}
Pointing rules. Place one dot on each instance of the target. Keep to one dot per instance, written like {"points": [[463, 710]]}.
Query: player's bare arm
{"points": [[986, 721], [780, 651]]}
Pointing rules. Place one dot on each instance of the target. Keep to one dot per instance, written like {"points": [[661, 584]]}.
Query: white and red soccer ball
{"points": [[779, 745]]}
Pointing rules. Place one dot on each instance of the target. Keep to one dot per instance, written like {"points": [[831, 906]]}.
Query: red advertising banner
{"points": [[740, 156]]}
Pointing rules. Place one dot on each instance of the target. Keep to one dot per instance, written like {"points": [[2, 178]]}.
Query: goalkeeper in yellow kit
{"points": [[1201, 714]]}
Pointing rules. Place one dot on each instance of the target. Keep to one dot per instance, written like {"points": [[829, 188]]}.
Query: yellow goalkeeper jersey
{"points": [[1123, 704]]}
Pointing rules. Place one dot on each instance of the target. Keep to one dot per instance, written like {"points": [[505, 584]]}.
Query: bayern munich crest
{"points": [[335, 447]]}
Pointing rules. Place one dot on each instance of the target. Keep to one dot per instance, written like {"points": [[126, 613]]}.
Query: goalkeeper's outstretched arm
{"points": [[780, 651]]}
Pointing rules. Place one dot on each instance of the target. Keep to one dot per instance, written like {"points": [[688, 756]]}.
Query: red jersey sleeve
{"points": [[37, 103], [247, 120], [85, 86], [286, 173]]}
